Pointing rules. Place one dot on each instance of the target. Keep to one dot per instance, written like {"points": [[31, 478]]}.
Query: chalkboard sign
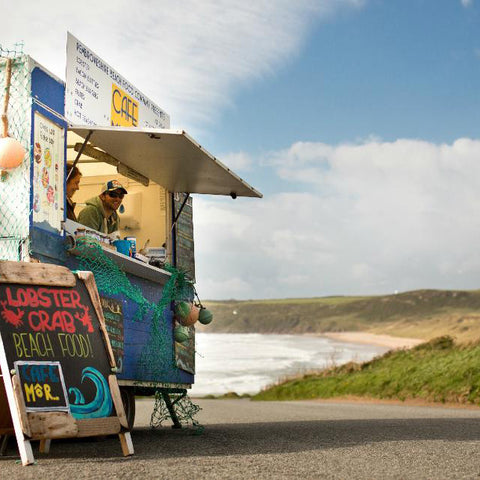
{"points": [[43, 323], [42, 385], [113, 314], [56, 360]]}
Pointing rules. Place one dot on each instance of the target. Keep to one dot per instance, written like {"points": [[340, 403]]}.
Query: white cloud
{"points": [[190, 57], [237, 161], [375, 217], [466, 3]]}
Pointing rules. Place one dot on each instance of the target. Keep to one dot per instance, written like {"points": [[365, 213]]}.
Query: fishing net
{"points": [[157, 354], [182, 410], [15, 107]]}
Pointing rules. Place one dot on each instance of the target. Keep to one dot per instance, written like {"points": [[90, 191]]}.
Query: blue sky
{"points": [[391, 68], [358, 120]]}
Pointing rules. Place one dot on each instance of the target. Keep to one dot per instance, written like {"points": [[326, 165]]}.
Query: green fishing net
{"points": [[111, 280], [157, 355], [185, 411]]}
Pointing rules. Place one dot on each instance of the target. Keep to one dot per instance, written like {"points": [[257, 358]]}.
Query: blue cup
{"points": [[123, 246]]}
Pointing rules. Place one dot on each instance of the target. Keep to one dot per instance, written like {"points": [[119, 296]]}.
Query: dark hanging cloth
{"points": [[71, 210]]}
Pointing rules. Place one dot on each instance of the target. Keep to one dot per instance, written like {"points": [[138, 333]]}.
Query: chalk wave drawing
{"points": [[100, 406]]}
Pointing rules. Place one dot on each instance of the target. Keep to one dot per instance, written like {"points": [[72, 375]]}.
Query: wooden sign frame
{"points": [[48, 425]]}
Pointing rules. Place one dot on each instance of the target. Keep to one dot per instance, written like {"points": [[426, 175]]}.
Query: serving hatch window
{"points": [[145, 211]]}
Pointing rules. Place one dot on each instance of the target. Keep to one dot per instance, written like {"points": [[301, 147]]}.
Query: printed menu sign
{"points": [[96, 94], [48, 166]]}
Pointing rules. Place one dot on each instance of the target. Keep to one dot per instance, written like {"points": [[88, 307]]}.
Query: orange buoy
{"points": [[12, 153], [191, 318]]}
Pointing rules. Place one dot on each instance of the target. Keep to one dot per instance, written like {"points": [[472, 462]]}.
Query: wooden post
{"points": [[45, 445], [127, 444], [17, 390], [24, 446], [117, 400], [89, 280], [125, 437]]}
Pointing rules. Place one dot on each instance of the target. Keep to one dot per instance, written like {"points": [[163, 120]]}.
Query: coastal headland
{"points": [[420, 314]]}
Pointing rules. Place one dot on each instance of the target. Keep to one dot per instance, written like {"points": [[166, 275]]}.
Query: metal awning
{"points": [[170, 158]]}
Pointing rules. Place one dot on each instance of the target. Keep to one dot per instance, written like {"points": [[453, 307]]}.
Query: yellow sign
{"points": [[124, 108]]}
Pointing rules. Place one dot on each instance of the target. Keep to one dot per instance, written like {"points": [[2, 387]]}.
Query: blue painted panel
{"points": [[47, 90], [160, 365], [144, 359], [48, 244]]}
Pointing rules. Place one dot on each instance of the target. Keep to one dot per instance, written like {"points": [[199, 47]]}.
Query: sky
{"points": [[357, 119]]}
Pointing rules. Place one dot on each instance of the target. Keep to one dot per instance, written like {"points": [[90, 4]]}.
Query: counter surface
{"points": [[127, 264]]}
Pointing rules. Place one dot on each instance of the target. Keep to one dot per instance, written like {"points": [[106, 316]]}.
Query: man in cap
{"points": [[101, 212]]}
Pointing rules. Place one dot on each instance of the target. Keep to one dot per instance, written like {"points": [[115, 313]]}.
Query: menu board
{"points": [[113, 314], [56, 361], [48, 173], [96, 94], [57, 324]]}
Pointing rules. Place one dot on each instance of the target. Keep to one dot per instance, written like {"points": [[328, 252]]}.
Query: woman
{"points": [[73, 182]]}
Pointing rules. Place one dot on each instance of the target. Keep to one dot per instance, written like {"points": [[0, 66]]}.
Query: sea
{"points": [[246, 363]]}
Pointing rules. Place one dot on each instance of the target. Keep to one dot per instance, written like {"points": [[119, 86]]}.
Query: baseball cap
{"points": [[112, 185]]}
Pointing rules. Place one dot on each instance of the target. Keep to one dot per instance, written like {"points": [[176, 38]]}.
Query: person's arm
{"points": [[113, 223], [91, 217]]}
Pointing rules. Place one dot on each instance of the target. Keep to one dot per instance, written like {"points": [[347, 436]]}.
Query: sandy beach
{"points": [[374, 339]]}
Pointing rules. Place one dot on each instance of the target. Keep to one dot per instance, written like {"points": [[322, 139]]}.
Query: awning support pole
{"points": [[180, 211], [79, 154]]}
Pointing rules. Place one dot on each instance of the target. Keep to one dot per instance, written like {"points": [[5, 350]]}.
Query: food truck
{"points": [[111, 131]]}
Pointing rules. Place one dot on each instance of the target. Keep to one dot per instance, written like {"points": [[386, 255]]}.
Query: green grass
{"points": [[227, 396], [295, 301], [436, 371]]}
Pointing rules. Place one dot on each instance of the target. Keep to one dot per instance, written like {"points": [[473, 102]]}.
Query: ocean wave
{"points": [[245, 363]]}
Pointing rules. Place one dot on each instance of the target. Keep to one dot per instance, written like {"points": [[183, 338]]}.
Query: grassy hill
{"points": [[418, 314], [436, 371]]}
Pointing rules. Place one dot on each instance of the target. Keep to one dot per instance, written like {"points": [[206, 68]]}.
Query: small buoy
{"points": [[182, 309], [191, 318], [12, 153], [180, 334], [205, 316]]}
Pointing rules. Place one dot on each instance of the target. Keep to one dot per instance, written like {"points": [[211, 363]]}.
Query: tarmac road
{"points": [[276, 440]]}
